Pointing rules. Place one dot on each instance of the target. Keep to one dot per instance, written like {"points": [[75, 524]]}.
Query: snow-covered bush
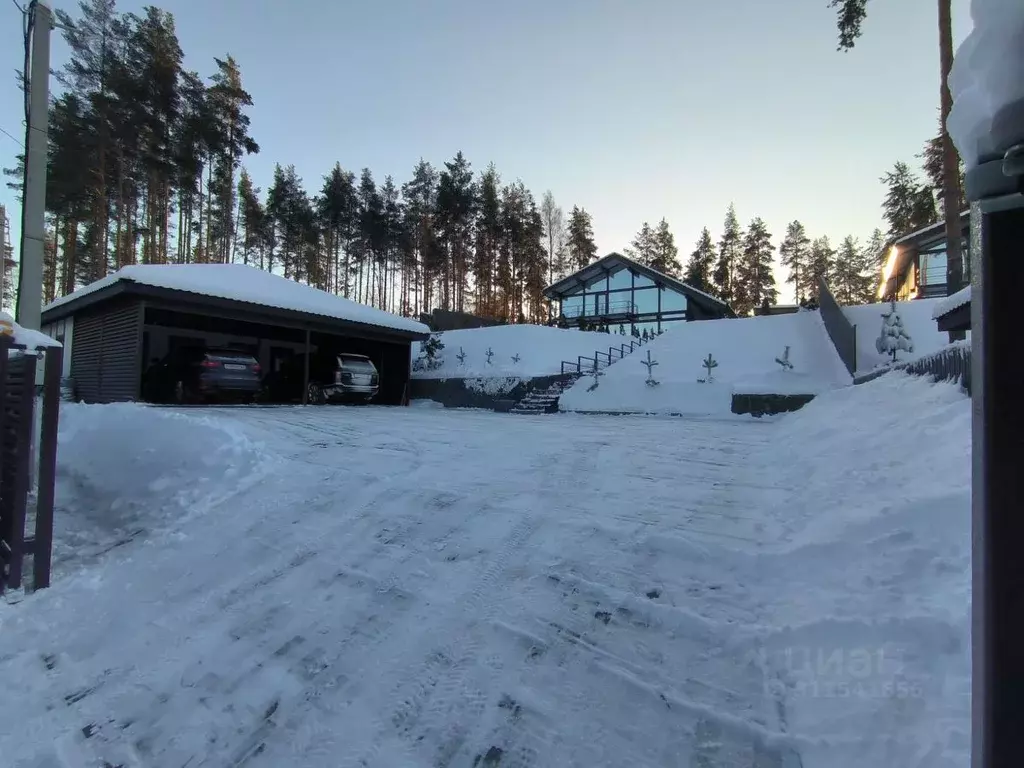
{"points": [[894, 336], [430, 350]]}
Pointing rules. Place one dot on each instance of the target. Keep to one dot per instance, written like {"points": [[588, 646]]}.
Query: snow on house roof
{"points": [[25, 336], [239, 282], [948, 304], [986, 77]]}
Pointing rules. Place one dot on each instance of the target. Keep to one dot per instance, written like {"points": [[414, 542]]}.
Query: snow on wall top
{"points": [[917, 320], [948, 304], [540, 349], [239, 282], [987, 75], [745, 350], [31, 339]]}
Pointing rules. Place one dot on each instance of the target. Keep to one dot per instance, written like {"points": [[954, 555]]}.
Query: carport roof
{"points": [[241, 283]]}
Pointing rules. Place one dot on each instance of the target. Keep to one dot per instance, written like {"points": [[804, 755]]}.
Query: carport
{"points": [[115, 328]]}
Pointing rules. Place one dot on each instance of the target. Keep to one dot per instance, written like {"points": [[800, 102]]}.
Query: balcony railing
{"points": [[614, 308]]}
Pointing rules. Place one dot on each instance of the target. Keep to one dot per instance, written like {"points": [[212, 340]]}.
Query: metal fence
{"points": [[840, 330], [28, 460], [950, 364]]}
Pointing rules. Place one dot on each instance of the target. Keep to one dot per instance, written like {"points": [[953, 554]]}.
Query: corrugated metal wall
{"points": [[105, 358]]}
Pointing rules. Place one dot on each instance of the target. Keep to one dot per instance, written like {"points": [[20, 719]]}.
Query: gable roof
{"points": [[609, 263], [236, 283]]}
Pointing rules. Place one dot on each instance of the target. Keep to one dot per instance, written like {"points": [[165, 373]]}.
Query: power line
{"points": [[12, 137]]}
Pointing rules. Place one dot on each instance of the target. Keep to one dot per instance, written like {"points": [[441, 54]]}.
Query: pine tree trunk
{"points": [[951, 193]]}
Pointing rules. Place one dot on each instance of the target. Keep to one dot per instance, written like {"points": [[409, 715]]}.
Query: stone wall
{"points": [[766, 405], [491, 393]]}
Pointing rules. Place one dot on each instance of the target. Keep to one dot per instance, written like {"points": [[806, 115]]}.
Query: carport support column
{"points": [[305, 372]]}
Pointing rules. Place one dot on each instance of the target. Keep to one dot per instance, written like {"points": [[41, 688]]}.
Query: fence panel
{"points": [[840, 330]]}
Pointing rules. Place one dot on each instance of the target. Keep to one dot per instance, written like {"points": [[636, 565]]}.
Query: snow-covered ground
{"points": [[917, 320], [745, 350], [540, 349], [388, 587]]}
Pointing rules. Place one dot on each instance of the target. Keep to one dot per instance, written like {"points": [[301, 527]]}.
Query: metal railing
{"points": [[950, 364], [601, 359], [612, 309], [840, 330]]}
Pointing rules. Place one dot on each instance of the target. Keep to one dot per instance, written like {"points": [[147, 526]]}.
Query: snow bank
{"points": [[917, 321], [870, 638], [987, 75], [745, 350], [125, 469], [948, 304], [541, 351], [31, 339], [243, 283]]}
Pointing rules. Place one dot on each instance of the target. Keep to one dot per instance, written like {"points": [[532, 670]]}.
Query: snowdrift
{"points": [[917, 320], [124, 470], [745, 350], [540, 349], [871, 580]]}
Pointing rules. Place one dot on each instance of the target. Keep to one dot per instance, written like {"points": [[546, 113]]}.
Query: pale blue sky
{"points": [[633, 109]]}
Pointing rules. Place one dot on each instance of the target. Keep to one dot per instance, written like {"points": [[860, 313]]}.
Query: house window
{"points": [[572, 306], [672, 301], [642, 282], [646, 301], [620, 280]]}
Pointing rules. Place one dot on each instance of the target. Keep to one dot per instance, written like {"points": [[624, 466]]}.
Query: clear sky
{"points": [[634, 109]]}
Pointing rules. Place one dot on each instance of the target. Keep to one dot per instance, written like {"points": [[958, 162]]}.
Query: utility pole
{"points": [[33, 216]]}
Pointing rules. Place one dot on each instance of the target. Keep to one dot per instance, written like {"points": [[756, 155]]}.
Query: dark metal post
{"points": [[43, 551], [23, 439], [995, 188], [305, 373]]}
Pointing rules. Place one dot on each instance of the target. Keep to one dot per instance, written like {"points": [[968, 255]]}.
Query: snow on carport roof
{"points": [[239, 282]]}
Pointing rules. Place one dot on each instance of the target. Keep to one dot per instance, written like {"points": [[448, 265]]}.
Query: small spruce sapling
{"points": [[894, 336], [490, 354], [516, 358], [622, 329], [431, 347], [710, 363], [650, 382], [784, 360], [461, 357], [646, 337]]}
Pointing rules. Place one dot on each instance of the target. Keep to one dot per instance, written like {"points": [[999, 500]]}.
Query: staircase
{"points": [[544, 400]]}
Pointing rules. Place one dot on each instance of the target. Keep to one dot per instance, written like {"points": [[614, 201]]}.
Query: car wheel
{"points": [[315, 394]]}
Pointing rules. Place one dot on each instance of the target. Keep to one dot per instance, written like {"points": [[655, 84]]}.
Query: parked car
{"points": [[195, 374], [332, 378]]}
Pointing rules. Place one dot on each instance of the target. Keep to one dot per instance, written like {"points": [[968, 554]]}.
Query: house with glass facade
{"points": [[915, 264], [616, 291]]}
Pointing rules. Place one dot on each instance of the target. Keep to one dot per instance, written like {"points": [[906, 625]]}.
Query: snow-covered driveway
{"points": [[425, 588]]}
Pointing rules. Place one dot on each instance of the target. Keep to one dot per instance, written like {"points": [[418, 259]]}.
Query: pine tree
{"points": [[420, 194], [554, 233], [700, 264], [875, 253], [581, 248], [729, 248], [821, 264], [643, 249], [666, 254], [852, 278], [909, 205], [754, 283], [336, 208], [454, 214], [795, 255]]}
